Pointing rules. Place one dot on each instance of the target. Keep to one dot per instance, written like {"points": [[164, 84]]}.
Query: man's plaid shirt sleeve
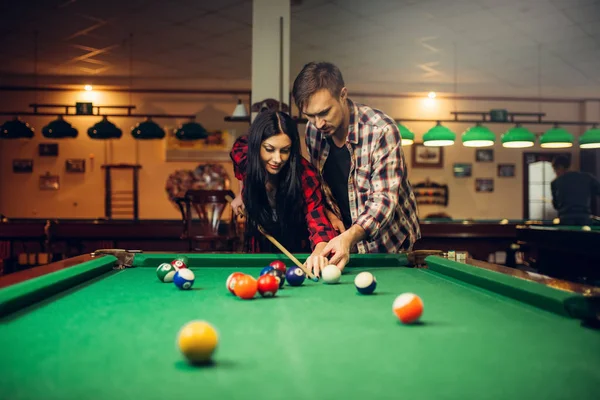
{"points": [[386, 176]]}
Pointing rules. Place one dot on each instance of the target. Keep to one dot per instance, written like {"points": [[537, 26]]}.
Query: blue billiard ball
{"points": [[365, 283], [295, 276], [266, 270], [184, 279]]}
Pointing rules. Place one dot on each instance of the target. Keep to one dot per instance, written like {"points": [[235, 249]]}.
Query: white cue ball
{"points": [[586, 228], [331, 274]]}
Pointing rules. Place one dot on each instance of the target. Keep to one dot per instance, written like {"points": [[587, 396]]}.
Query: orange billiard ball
{"points": [[408, 307], [245, 287]]}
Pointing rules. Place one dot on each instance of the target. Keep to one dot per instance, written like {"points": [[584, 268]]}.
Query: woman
{"points": [[280, 190]]}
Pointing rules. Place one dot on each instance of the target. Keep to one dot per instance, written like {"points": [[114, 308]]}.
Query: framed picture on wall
{"points": [[484, 155], [22, 166], [506, 170], [427, 157], [48, 149], [462, 170], [485, 185], [49, 182], [75, 165]]}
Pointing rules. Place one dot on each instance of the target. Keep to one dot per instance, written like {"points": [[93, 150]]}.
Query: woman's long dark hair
{"points": [[289, 226]]}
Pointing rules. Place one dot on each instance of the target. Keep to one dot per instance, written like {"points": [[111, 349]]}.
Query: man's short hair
{"points": [[314, 77], [561, 161]]}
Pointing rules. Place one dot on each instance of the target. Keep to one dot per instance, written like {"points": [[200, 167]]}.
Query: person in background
{"points": [[572, 193]]}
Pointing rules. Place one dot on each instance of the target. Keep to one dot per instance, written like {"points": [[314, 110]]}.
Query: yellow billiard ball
{"points": [[197, 340], [586, 228]]}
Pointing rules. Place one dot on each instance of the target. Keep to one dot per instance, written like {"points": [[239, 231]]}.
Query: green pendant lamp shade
{"points": [[590, 139], [59, 129], [148, 130], [556, 138], [518, 137], [16, 129], [407, 136], [191, 131], [439, 135], [478, 136], [104, 130]]}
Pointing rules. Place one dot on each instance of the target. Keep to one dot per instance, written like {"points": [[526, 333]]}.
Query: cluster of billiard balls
{"points": [[197, 340], [272, 278], [177, 272]]}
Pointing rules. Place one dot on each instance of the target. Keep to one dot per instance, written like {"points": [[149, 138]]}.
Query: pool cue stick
{"points": [[288, 254], [283, 250]]}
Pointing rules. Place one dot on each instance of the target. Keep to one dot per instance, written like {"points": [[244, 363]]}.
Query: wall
{"points": [[82, 196]]}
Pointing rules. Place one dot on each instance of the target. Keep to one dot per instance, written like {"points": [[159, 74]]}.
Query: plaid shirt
{"points": [[381, 198], [319, 227]]}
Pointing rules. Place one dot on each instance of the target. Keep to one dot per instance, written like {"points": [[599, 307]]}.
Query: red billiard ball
{"points": [[267, 285], [231, 281], [280, 265]]}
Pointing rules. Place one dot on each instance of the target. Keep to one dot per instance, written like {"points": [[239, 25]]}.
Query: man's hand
{"points": [[316, 262], [338, 249], [338, 225], [237, 205]]}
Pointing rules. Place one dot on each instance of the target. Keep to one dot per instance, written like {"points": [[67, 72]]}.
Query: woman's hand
{"points": [[238, 205], [315, 262]]}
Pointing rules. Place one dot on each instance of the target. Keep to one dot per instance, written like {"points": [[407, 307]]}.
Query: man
{"points": [[572, 193], [358, 152]]}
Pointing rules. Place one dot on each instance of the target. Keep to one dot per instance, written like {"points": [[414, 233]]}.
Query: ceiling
{"points": [[517, 47]]}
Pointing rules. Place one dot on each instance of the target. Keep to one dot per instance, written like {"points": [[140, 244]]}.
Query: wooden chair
{"points": [[209, 230]]}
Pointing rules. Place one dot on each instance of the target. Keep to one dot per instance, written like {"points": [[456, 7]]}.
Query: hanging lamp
{"points": [[407, 136], [191, 131], [518, 137], [590, 139], [16, 129], [104, 130], [148, 130], [59, 129], [478, 136], [556, 138], [439, 135]]}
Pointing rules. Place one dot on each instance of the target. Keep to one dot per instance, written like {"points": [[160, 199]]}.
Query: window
{"points": [[540, 196], [537, 204]]}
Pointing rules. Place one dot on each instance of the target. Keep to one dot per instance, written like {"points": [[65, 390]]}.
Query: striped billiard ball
{"points": [[231, 281], [365, 283], [165, 272], [178, 263], [184, 279], [408, 307]]}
